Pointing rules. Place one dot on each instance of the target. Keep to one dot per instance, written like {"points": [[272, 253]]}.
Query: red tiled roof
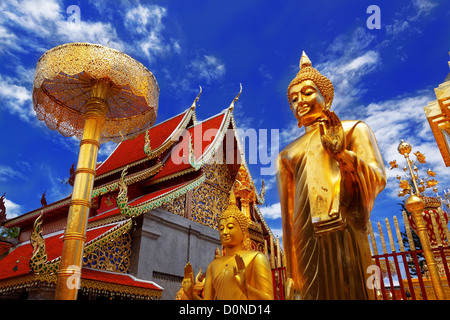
{"points": [[130, 151], [203, 134], [4, 247], [21, 255], [117, 278], [49, 211]]}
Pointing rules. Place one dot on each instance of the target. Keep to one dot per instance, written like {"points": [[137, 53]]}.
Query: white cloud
{"points": [[271, 212], [203, 70], [145, 24], [106, 149], [407, 22], [423, 6], [92, 32], [404, 118], [46, 23], [34, 16], [141, 20], [207, 68], [347, 64], [7, 174], [12, 209], [17, 99]]}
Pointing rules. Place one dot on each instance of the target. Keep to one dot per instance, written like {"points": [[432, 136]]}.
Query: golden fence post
{"points": [[415, 205]]}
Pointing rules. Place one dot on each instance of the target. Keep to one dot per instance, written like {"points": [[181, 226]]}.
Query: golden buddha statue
{"points": [[328, 180], [237, 274]]}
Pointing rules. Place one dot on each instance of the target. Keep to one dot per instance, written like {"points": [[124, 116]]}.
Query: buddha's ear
{"points": [[328, 105]]}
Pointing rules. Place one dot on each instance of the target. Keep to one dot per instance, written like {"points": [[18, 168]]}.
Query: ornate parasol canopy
{"points": [[96, 94], [64, 82]]}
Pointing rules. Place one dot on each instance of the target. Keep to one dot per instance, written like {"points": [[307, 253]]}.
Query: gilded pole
{"points": [[415, 205], [75, 235]]}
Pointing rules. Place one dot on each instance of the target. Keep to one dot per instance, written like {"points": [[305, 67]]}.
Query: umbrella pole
{"points": [[69, 273]]}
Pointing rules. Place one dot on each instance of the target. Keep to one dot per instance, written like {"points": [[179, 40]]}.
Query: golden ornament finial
{"points": [[304, 61], [420, 185], [404, 148]]}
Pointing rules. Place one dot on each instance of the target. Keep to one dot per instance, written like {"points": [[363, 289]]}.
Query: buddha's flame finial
{"points": [[232, 198], [304, 61]]}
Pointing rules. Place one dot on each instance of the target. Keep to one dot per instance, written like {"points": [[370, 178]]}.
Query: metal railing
{"points": [[403, 274]]}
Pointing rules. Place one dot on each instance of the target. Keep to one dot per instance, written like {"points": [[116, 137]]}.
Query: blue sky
{"points": [[382, 76]]}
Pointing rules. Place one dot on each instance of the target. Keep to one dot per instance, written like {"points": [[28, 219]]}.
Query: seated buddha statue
{"points": [[239, 273]]}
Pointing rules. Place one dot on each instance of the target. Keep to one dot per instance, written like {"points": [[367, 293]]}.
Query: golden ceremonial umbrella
{"points": [[97, 94]]}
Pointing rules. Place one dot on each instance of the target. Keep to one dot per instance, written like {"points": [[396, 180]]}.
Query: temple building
{"points": [[154, 208], [438, 115]]}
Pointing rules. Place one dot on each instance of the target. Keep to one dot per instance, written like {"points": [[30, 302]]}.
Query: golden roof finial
{"points": [[304, 61], [194, 104], [231, 107]]}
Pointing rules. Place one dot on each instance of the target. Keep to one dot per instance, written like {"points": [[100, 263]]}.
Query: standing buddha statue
{"points": [[328, 180]]}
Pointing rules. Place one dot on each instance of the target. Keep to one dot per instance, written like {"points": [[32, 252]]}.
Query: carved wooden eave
{"points": [[39, 262]]}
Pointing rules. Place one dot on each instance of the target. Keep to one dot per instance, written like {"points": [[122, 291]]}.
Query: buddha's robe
{"points": [[325, 208], [220, 279]]}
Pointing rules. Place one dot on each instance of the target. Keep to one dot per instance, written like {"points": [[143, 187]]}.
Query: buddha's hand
{"points": [[332, 135], [239, 273], [188, 280]]}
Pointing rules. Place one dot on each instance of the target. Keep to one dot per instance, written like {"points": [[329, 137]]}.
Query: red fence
{"points": [[400, 274], [278, 277], [407, 278], [403, 274]]}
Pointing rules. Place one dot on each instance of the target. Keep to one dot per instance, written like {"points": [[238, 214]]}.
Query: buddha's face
{"points": [[307, 103], [230, 232]]}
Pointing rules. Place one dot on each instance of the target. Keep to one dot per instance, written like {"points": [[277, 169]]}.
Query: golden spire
{"points": [[244, 190]]}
